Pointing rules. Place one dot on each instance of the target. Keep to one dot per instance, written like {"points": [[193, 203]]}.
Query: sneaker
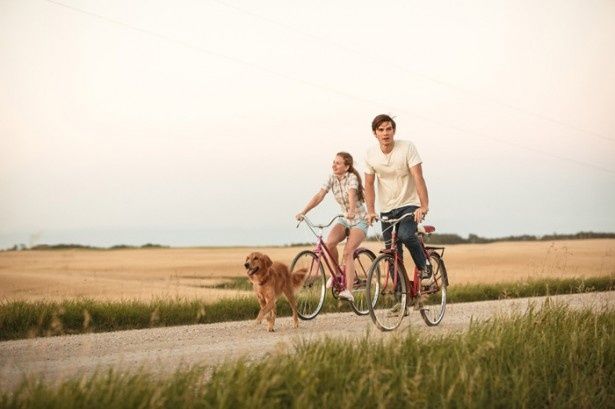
{"points": [[329, 282], [394, 312], [346, 295], [425, 273]]}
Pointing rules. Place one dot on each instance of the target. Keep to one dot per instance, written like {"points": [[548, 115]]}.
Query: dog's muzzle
{"points": [[251, 270]]}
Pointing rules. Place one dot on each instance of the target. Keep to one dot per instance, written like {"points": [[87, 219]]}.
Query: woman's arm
{"points": [[352, 204], [315, 201]]}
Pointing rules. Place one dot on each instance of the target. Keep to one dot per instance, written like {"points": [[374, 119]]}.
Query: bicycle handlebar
{"points": [[318, 226], [395, 221]]}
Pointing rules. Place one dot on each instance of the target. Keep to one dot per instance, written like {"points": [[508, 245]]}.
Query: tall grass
{"points": [[35, 319], [530, 288], [22, 319], [234, 283], [553, 357]]}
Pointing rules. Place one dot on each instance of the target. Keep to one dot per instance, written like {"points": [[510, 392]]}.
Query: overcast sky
{"points": [[213, 122]]}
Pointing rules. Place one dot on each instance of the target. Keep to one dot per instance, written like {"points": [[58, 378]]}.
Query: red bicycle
{"points": [[390, 291], [311, 296]]}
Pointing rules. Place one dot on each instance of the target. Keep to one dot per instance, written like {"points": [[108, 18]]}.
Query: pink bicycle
{"points": [[391, 291], [311, 297]]}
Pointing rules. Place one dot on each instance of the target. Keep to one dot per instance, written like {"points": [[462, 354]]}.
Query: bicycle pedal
{"points": [[429, 289]]}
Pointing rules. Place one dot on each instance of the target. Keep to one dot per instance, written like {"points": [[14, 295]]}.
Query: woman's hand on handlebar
{"points": [[300, 216]]}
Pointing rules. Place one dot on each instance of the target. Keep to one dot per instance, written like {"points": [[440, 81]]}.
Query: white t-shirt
{"points": [[394, 181]]}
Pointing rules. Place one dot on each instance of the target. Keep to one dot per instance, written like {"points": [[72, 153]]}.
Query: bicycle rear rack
{"points": [[439, 250]]}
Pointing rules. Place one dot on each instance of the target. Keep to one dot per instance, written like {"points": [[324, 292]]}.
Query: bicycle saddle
{"points": [[426, 229]]}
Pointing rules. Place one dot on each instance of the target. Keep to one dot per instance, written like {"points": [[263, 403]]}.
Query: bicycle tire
{"points": [[363, 260], [382, 294], [434, 305], [311, 295]]}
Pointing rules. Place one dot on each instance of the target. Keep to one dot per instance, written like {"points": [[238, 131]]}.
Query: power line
{"points": [[415, 73], [321, 86]]}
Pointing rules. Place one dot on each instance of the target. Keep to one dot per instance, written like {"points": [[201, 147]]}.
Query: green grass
{"points": [[530, 288], [234, 283], [26, 319], [22, 319], [553, 357]]}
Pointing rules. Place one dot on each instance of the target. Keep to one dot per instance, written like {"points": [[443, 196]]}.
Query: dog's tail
{"points": [[298, 277]]}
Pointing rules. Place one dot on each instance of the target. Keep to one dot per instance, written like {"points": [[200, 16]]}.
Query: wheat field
{"points": [[146, 274]]}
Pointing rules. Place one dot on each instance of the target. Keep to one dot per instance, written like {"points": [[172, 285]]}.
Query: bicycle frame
{"points": [[321, 250], [392, 249], [323, 253]]}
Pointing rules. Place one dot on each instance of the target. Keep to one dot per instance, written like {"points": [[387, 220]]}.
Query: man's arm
{"points": [[369, 197], [421, 189]]}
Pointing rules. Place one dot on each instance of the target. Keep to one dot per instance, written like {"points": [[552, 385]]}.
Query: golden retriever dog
{"points": [[269, 280]]}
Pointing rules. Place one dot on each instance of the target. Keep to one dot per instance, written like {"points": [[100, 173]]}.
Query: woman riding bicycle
{"points": [[346, 185]]}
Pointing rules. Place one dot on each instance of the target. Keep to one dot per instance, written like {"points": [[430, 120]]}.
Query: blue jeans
{"points": [[406, 234]]}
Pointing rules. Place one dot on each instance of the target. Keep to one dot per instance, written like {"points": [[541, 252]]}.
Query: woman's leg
{"points": [[336, 235], [354, 240]]}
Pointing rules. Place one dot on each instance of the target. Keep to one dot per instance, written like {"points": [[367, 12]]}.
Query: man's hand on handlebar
{"points": [[371, 218], [420, 213]]}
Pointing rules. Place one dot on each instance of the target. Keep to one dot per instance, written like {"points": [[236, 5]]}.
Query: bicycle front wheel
{"points": [[387, 292], [434, 304], [363, 259], [311, 296]]}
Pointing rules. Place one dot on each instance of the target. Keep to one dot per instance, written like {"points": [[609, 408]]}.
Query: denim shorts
{"points": [[361, 224]]}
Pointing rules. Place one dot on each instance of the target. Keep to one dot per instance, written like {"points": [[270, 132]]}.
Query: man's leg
{"points": [[407, 235], [387, 231]]}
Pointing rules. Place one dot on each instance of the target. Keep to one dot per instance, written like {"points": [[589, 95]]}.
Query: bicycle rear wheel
{"points": [[363, 259], [387, 304], [311, 296], [434, 305]]}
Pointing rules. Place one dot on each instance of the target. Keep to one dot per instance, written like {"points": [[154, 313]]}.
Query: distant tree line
{"points": [[449, 238], [62, 246], [434, 238], [445, 238]]}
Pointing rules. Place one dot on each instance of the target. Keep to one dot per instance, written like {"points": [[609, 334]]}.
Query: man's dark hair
{"points": [[380, 119]]}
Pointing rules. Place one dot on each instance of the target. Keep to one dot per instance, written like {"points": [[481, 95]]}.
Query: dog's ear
{"points": [[267, 261]]}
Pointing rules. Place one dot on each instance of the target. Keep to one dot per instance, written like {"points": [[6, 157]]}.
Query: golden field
{"points": [[145, 274]]}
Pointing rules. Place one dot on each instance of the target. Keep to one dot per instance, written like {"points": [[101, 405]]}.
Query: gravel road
{"points": [[162, 350]]}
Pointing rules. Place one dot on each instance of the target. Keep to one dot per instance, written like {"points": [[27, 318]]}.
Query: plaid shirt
{"points": [[341, 189]]}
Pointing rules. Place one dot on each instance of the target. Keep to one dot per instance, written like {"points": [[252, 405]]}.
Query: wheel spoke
{"points": [[311, 295], [362, 261], [387, 301], [434, 305]]}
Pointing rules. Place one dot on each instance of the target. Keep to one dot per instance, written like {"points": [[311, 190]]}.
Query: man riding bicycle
{"points": [[395, 165]]}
